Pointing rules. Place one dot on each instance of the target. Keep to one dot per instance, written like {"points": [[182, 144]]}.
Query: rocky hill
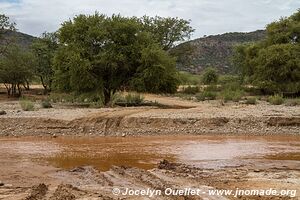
{"points": [[19, 38], [214, 51], [195, 55]]}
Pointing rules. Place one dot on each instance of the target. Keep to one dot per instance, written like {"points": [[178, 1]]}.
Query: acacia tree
{"points": [[5, 26], [167, 31], [16, 68], [210, 76], [273, 65], [44, 50], [101, 54]]}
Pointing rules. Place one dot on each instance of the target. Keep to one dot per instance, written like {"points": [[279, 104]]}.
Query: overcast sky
{"points": [[208, 16]]}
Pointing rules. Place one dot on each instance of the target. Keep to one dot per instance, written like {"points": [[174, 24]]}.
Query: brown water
{"points": [[146, 152]]}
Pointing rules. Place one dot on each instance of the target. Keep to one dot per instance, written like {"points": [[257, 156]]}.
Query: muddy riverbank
{"points": [[90, 168]]}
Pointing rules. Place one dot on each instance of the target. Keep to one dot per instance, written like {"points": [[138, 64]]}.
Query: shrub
{"points": [[206, 95], [46, 104], [130, 99], [134, 98], [231, 95], [251, 101], [210, 76], [227, 79], [213, 88], [276, 99], [27, 105], [293, 102], [191, 90], [233, 86], [187, 78]]}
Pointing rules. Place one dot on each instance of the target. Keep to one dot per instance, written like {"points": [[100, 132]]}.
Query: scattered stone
{"points": [[166, 165], [54, 136], [2, 112], [256, 170], [37, 192], [124, 135], [1, 183], [64, 192]]}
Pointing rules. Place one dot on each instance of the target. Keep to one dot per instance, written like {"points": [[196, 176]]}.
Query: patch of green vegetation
{"points": [[90, 100], [206, 95], [276, 99], [210, 76], [231, 95], [293, 102], [227, 79], [46, 104], [26, 105], [130, 99], [251, 101], [187, 78], [191, 90]]}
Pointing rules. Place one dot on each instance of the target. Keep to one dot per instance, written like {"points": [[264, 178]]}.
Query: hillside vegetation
{"points": [[22, 39], [215, 51]]}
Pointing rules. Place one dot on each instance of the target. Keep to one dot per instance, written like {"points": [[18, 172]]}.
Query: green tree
{"points": [[167, 31], [5, 26], [273, 64], [277, 68], [156, 72], [102, 54], [210, 76], [44, 49], [16, 69]]}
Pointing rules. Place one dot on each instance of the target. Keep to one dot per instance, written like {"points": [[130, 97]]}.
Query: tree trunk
{"points": [[107, 96], [13, 89], [46, 89], [19, 90], [8, 88], [26, 85]]}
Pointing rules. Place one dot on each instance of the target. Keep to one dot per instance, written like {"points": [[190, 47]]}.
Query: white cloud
{"points": [[208, 16]]}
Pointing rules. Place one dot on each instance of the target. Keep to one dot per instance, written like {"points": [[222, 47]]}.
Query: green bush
{"points": [[232, 95], [206, 95], [213, 88], [210, 76], [251, 101], [46, 104], [276, 99], [227, 79], [27, 105], [191, 90], [134, 98], [187, 78], [233, 86], [130, 99], [293, 102]]}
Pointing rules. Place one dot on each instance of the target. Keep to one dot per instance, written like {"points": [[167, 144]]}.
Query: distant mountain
{"points": [[19, 38], [198, 54], [214, 51]]}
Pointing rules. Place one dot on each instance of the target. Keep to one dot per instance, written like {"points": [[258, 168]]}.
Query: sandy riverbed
{"points": [[192, 118]]}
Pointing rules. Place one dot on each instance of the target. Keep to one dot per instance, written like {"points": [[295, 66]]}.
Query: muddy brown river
{"points": [[145, 152]]}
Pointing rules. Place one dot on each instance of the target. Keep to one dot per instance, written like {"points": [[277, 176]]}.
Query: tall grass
{"points": [[26, 105], [276, 99]]}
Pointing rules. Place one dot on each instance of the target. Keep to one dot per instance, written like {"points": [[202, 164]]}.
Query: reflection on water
{"points": [[146, 152]]}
